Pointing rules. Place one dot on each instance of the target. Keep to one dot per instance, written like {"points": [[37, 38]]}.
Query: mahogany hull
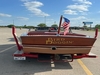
{"points": [[51, 44]]}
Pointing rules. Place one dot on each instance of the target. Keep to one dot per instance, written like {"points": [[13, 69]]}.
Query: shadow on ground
{"points": [[2, 47], [26, 67], [11, 39]]}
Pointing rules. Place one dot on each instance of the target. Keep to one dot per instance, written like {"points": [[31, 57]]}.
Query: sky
{"points": [[34, 12]]}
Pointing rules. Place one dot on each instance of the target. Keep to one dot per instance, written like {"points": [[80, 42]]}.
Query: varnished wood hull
{"points": [[63, 50], [57, 44]]}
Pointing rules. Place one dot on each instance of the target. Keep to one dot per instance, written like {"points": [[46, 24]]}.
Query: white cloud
{"points": [[79, 18], [33, 6], [80, 8], [77, 21], [22, 18], [84, 2], [84, 13], [71, 12], [4, 15]]}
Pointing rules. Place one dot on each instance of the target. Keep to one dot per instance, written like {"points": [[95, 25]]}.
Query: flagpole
{"points": [[60, 24]]}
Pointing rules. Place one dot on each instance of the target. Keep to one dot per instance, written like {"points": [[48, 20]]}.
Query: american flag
{"points": [[66, 25]]}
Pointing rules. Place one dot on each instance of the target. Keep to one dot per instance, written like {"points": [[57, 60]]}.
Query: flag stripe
{"points": [[66, 25]]}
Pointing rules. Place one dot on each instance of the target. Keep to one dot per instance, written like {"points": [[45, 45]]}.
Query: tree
{"points": [[10, 25], [54, 25], [42, 25], [97, 26], [30, 26], [24, 26]]}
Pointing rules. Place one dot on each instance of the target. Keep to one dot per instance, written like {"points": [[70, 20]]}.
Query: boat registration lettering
{"points": [[58, 41]]}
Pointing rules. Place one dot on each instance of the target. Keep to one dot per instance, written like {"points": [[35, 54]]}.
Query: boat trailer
{"points": [[20, 55]]}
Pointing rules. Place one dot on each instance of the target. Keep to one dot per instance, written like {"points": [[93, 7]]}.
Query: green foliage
{"points": [[85, 26], [24, 26], [97, 26], [54, 25], [10, 25], [19, 26], [42, 25], [2, 26], [30, 26]]}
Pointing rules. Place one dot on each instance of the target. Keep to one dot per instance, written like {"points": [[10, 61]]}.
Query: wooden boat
{"points": [[56, 42], [50, 43]]}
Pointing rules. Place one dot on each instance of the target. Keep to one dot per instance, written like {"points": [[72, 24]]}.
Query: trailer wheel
{"points": [[57, 57], [79, 54]]}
